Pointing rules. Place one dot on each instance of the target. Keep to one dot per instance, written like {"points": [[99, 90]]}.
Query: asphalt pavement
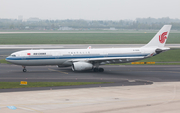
{"points": [[120, 75]]}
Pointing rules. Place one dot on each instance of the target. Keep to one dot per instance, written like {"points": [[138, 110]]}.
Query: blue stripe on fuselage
{"points": [[70, 57]]}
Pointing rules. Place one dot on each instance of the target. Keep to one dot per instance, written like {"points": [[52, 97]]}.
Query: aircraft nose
{"points": [[7, 58], [12, 59]]}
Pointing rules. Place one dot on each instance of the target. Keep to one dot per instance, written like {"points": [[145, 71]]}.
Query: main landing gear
{"points": [[24, 69], [98, 70]]}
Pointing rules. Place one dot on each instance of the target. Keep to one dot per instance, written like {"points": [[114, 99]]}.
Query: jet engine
{"points": [[81, 66]]}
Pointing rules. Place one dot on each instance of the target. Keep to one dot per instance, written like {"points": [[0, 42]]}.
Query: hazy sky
{"points": [[90, 9]]}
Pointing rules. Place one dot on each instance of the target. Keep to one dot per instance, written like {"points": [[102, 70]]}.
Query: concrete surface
{"points": [[161, 97]]}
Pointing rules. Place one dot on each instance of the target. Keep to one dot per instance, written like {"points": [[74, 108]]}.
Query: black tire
{"points": [[24, 70], [101, 70], [95, 69]]}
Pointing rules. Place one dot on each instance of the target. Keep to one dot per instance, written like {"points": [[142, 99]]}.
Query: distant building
{"points": [[112, 28], [33, 19], [27, 27], [20, 17], [65, 28]]}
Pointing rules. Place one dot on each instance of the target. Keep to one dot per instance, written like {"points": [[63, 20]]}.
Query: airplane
{"points": [[90, 59]]}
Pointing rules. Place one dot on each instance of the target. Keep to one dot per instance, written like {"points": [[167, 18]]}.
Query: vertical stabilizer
{"points": [[160, 38]]}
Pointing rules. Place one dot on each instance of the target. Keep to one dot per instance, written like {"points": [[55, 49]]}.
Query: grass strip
{"points": [[83, 38], [10, 85], [165, 57], [3, 61], [165, 63], [169, 56]]}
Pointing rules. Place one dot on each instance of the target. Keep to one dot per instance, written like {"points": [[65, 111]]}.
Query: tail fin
{"points": [[89, 47], [160, 38]]}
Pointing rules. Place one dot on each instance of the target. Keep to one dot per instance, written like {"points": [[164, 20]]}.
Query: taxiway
{"points": [[121, 75]]}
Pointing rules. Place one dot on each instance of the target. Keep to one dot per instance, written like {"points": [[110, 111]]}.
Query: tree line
{"points": [[139, 23]]}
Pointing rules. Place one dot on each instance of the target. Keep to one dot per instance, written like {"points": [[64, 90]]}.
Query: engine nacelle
{"points": [[81, 66]]}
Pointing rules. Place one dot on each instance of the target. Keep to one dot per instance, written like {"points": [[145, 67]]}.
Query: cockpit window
{"points": [[13, 55]]}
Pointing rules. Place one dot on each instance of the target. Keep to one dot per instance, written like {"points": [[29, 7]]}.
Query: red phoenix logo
{"points": [[162, 37]]}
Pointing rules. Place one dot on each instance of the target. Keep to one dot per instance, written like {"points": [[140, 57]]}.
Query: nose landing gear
{"points": [[24, 69]]}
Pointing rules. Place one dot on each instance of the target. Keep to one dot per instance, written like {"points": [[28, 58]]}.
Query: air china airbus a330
{"points": [[90, 59]]}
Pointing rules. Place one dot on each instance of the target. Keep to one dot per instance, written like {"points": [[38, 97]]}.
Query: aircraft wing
{"points": [[104, 59]]}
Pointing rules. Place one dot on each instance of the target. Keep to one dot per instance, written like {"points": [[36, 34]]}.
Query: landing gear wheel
{"points": [[95, 69], [98, 70], [101, 70], [24, 70]]}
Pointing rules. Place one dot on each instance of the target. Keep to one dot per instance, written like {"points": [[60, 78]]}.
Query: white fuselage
{"points": [[65, 57]]}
